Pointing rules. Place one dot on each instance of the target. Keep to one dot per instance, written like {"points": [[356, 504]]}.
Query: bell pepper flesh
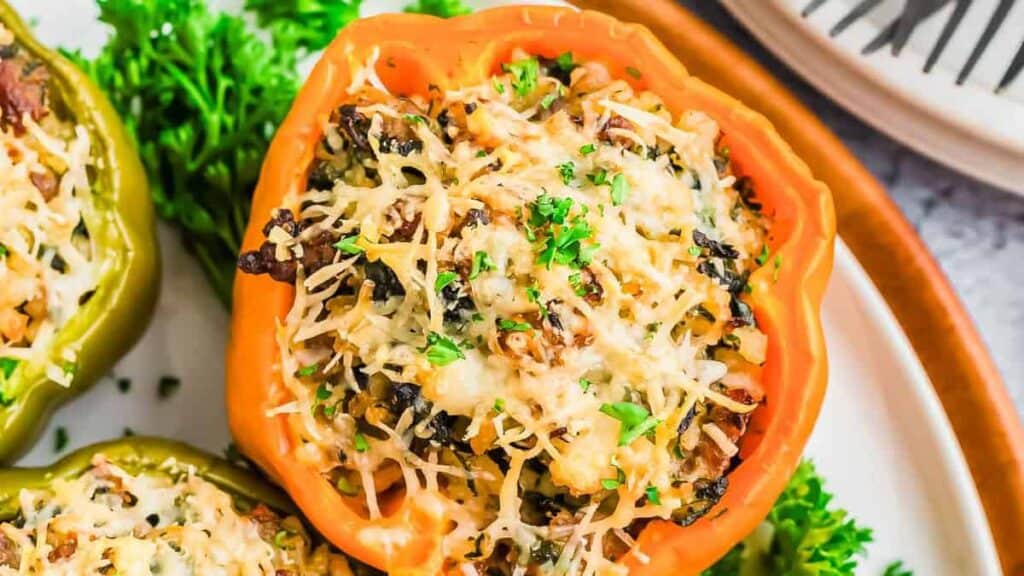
{"points": [[124, 235], [416, 52]]}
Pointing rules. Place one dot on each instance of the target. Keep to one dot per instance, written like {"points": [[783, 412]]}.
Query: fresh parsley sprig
{"points": [[201, 95], [441, 8], [306, 24], [808, 536]]}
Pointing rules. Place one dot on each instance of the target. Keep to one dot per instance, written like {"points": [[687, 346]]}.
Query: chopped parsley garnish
{"points": [[620, 189], [167, 386], [565, 62], [124, 385], [549, 210], [533, 295], [307, 370], [323, 392], [548, 100], [481, 263], [694, 250], [499, 405], [633, 72], [414, 118], [584, 384], [280, 538], [60, 439], [5, 400], [567, 171], [653, 495], [635, 420], [897, 569], [499, 86], [8, 366], [360, 443], [444, 279], [563, 242], [651, 329], [441, 350], [613, 483], [778, 266], [599, 178], [348, 245], [513, 326], [563, 245], [3, 250], [576, 281], [588, 149], [345, 487], [763, 256], [524, 75]]}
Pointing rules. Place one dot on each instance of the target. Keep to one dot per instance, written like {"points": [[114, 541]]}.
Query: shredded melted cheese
{"points": [[556, 271], [108, 521], [47, 263]]}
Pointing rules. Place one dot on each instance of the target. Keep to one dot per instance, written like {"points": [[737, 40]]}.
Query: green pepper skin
{"points": [[123, 229], [144, 455]]}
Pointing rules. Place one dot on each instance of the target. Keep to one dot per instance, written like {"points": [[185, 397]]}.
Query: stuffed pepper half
{"points": [[522, 297], [150, 506], [78, 255]]}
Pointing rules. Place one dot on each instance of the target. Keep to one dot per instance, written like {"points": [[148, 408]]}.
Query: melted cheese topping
{"points": [[111, 522], [555, 271], [47, 267]]}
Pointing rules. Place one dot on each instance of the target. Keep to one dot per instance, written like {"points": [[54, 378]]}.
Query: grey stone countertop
{"points": [[975, 231]]}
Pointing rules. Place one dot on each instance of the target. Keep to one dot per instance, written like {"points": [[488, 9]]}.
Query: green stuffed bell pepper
{"points": [[79, 265], [146, 505]]}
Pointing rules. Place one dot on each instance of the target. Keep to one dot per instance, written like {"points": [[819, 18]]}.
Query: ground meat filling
{"points": [[539, 282], [24, 84], [10, 556]]}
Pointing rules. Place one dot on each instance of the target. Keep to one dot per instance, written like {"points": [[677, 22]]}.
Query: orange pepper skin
{"points": [[417, 51]]}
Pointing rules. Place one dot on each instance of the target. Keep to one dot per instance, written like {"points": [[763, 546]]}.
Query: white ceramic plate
{"points": [[968, 127], [883, 441]]}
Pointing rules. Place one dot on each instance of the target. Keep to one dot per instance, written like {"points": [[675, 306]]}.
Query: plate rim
{"points": [[951, 457]]}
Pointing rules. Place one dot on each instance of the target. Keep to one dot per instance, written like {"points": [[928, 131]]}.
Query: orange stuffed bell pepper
{"points": [[519, 294]]}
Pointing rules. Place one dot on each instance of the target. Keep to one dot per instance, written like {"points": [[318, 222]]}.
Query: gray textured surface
{"points": [[975, 231]]}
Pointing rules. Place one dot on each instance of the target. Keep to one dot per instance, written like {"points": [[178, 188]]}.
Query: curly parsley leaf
{"points": [[441, 8], [805, 535], [482, 262], [513, 326], [308, 24], [635, 420], [201, 95], [444, 279], [441, 350], [525, 74]]}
